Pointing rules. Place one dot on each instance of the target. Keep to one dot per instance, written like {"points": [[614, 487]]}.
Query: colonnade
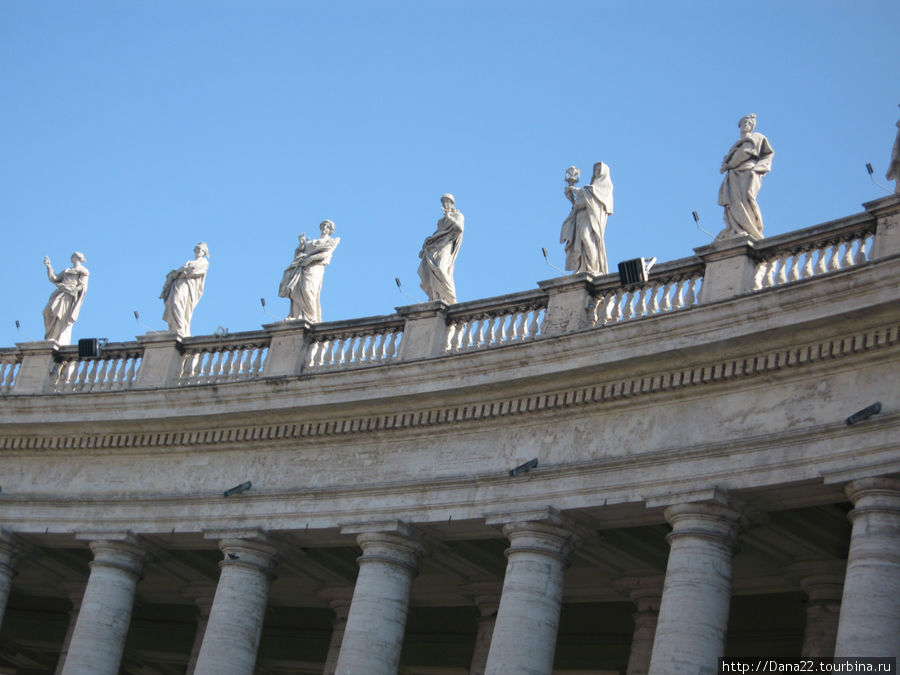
{"points": [[680, 621]]}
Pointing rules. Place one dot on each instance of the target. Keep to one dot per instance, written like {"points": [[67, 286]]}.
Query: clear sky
{"points": [[132, 130]]}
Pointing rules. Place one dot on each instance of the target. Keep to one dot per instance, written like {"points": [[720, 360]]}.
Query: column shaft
{"points": [[644, 590], [98, 640], [488, 606], [869, 623], [376, 623], [524, 639], [9, 557], [231, 638], [693, 613], [340, 602]]}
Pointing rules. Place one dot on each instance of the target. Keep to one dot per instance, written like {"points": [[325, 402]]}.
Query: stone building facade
{"points": [[343, 497]]}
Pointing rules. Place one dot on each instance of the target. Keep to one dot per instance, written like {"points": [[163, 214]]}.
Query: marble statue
{"points": [[744, 166], [182, 291], [439, 253], [65, 302], [302, 280], [582, 231], [893, 172]]}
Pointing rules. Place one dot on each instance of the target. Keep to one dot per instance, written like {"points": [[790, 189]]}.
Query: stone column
{"points": [[231, 640], [488, 605], [693, 613], [339, 599], [10, 551], [76, 593], [823, 582], [373, 637], [869, 623], [645, 591], [524, 639], [99, 636], [202, 595]]}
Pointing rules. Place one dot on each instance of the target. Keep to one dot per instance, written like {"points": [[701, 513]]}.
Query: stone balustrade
{"points": [[786, 259], [490, 324], [362, 343], [9, 366], [238, 357], [115, 369], [670, 287], [718, 271]]}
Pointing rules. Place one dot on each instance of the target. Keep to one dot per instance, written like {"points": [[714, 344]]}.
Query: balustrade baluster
{"points": [[491, 336], [847, 259], [88, 375], [770, 273], [394, 344], [822, 252], [359, 345], [667, 296], [690, 297], [132, 366], [535, 326], [861, 258], [452, 337], [807, 270], [642, 301], [795, 265], [759, 277], [100, 377], [628, 306], [677, 294], [258, 363], [227, 361], [781, 278], [617, 305], [834, 260]]}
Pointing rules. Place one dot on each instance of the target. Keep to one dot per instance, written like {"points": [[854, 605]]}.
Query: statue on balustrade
{"points": [[302, 280], [65, 302], [749, 159], [583, 230], [183, 289], [893, 172], [439, 253]]}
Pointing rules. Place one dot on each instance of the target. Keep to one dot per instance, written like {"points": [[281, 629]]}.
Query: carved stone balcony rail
{"points": [[339, 345], [235, 357], [115, 369], [717, 272], [670, 286], [495, 322], [10, 359], [819, 250]]}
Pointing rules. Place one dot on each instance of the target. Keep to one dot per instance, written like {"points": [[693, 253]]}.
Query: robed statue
{"points": [[439, 253], [302, 280], [583, 230]]}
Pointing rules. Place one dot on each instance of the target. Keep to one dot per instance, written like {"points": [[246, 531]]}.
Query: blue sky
{"points": [[132, 130]]}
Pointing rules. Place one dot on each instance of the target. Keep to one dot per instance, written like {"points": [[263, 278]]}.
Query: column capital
{"points": [[250, 548], [120, 550], [339, 599], [644, 589], [202, 594], [719, 519], [821, 580], [485, 595], [881, 492], [394, 542], [544, 530]]}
